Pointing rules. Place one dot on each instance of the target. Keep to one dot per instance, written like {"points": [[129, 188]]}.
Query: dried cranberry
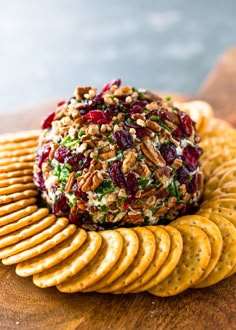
{"points": [[137, 107], [97, 117], [131, 125], [123, 139], [108, 85], [76, 219], [39, 181], [43, 154], [177, 133], [59, 104], [168, 152], [128, 203], [142, 132], [183, 175], [190, 208], [131, 183], [60, 205], [192, 186], [79, 193], [61, 153], [47, 121], [185, 123], [111, 112], [116, 174], [190, 156]]}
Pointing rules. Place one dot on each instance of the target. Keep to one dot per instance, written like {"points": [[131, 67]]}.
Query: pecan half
{"points": [[123, 91], [151, 153], [81, 91], [129, 161], [107, 155], [153, 125], [93, 180], [134, 217], [143, 170], [70, 182]]}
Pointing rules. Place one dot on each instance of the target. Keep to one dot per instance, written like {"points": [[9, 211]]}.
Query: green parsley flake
{"points": [[153, 117], [173, 189], [105, 188], [143, 182], [168, 98]]}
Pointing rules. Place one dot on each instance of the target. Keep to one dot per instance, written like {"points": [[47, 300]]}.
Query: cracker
{"points": [[25, 232], [16, 174], [216, 127], [213, 234], [228, 203], [232, 272], [128, 254], [18, 145], [42, 247], [10, 208], [13, 181], [9, 218], [24, 221], [16, 188], [106, 258], [228, 188], [219, 198], [71, 265], [192, 264], [19, 136], [6, 199], [39, 237], [146, 252], [228, 254], [16, 167], [161, 254], [52, 257], [19, 159], [176, 248], [226, 165], [17, 152], [228, 214]]}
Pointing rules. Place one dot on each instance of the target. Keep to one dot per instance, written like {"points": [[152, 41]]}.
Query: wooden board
{"points": [[24, 306]]}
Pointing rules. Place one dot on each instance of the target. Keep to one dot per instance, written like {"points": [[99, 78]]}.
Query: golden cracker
{"points": [[19, 159], [191, 265], [19, 136], [228, 203], [17, 152], [226, 165], [215, 127], [128, 254], [176, 248], [228, 254], [16, 174], [24, 221], [216, 198], [13, 181], [16, 167], [71, 265], [41, 247], [10, 208], [106, 258], [6, 199], [146, 252], [12, 217], [161, 254], [213, 234], [232, 272], [52, 257], [228, 214], [227, 189], [26, 232], [18, 145], [16, 188]]}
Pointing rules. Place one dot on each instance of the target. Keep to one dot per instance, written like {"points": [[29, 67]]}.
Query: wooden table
{"points": [[24, 306]]}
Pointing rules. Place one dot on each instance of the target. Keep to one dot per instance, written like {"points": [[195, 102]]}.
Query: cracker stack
{"points": [[194, 251]]}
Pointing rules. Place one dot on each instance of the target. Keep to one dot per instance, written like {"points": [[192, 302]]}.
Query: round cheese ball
{"points": [[119, 157]]}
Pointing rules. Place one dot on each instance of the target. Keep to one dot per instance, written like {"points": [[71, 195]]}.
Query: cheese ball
{"points": [[118, 157]]}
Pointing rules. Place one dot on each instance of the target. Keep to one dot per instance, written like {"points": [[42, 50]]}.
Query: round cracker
{"points": [[15, 216], [176, 248], [226, 165], [228, 203], [228, 214], [209, 164], [192, 264], [72, 265], [19, 136], [161, 254], [16, 188], [103, 262], [52, 257], [16, 174], [10, 208], [213, 234], [13, 181], [17, 152], [25, 232], [18, 145], [24, 221], [228, 188], [215, 127], [16, 167], [46, 245], [128, 254], [228, 254], [12, 160], [219, 198], [146, 252], [6, 199]]}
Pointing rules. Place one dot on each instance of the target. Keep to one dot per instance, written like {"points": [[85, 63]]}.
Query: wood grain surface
{"points": [[24, 306]]}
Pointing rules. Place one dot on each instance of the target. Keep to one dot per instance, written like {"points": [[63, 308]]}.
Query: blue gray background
{"points": [[50, 46]]}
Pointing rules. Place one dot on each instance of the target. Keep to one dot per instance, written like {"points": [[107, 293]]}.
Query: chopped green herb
{"points": [[77, 175], [67, 165], [165, 126], [105, 188], [168, 98], [141, 157], [116, 122], [96, 157], [81, 133], [143, 182], [123, 199], [173, 189], [102, 218], [140, 95], [153, 117], [112, 97], [103, 208], [129, 120], [65, 140]]}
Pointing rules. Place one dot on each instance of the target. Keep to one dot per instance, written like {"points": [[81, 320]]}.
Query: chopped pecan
{"points": [[81, 205], [107, 155], [93, 129], [153, 125], [70, 182], [149, 191], [151, 201], [123, 91], [119, 216], [161, 210], [182, 189], [171, 202], [151, 153], [162, 193], [92, 181], [177, 163], [108, 100], [134, 217], [143, 170], [152, 106], [150, 96], [81, 91], [129, 161]]}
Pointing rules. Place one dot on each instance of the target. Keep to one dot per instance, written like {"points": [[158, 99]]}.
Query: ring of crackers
{"points": [[194, 251]]}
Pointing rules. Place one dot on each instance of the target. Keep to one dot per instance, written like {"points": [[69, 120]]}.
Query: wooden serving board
{"points": [[24, 306]]}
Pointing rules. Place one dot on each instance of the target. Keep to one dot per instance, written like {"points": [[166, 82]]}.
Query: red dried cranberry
{"points": [[47, 121], [177, 133], [123, 139], [190, 156], [97, 117], [43, 154], [39, 181], [131, 125], [183, 175], [131, 184], [76, 219], [168, 152], [80, 194], [190, 208], [185, 123], [192, 186], [60, 205], [128, 203], [108, 85], [59, 104], [116, 174], [142, 132], [61, 153], [111, 112], [137, 107]]}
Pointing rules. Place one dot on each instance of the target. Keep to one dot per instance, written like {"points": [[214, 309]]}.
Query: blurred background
{"points": [[50, 46]]}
